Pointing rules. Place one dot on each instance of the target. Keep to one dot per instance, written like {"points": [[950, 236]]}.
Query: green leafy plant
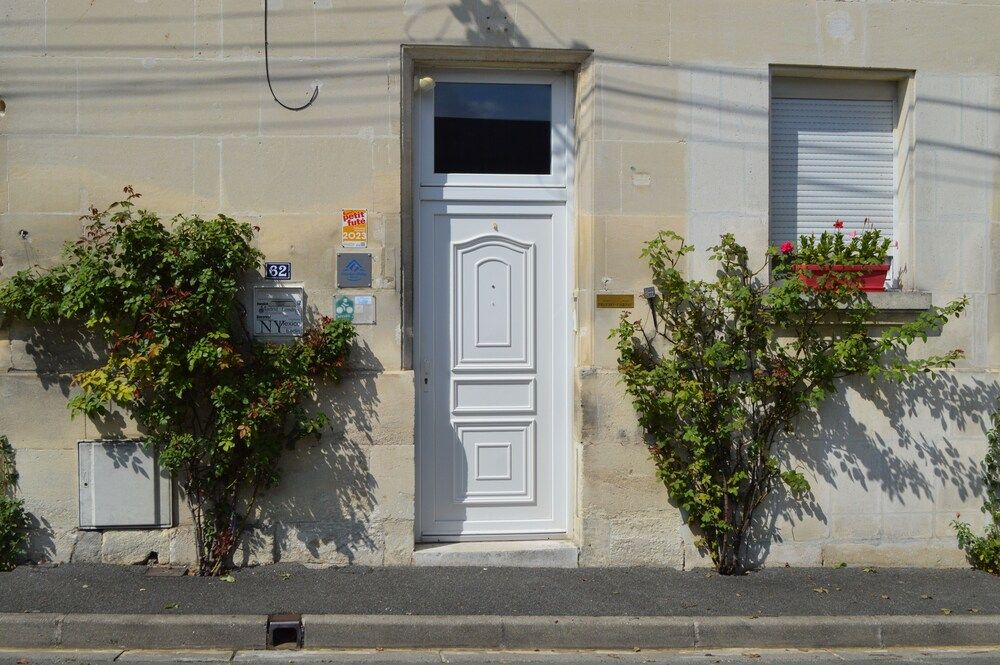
{"points": [[834, 248], [730, 366], [984, 551], [14, 523], [218, 407]]}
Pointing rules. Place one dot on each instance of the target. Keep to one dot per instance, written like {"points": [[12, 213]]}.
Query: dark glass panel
{"points": [[492, 128]]}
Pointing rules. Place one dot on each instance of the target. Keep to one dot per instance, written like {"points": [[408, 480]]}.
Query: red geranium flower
{"points": [[839, 224], [787, 247]]}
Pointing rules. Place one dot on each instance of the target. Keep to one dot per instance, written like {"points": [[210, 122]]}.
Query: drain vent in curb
{"points": [[284, 631]]}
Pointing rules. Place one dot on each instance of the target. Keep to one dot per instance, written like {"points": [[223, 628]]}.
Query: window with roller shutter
{"points": [[831, 159]]}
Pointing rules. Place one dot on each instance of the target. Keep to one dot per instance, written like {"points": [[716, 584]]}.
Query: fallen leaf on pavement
{"points": [[171, 606], [945, 610], [227, 578], [821, 589]]}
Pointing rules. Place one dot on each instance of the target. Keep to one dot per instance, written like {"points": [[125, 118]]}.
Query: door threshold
{"points": [[499, 553]]}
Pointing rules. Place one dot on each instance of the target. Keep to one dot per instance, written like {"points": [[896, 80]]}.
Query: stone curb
{"points": [[102, 631], [495, 632]]}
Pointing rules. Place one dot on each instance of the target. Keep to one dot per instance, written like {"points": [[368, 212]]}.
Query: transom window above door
{"points": [[492, 128]]}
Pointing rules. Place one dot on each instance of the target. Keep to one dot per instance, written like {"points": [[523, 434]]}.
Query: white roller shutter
{"points": [[830, 159]]}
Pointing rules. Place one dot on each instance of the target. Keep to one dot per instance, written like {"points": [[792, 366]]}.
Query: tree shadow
{"points": [[333, 519], [487, 23], [41, 539], [40, 542], [906, 448], [332, 516], [55, 350]]}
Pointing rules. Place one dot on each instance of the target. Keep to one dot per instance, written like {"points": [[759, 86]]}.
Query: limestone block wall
{"points": [[672, 132], [682, 144]]}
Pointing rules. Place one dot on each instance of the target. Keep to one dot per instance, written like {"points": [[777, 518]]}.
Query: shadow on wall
{"points": [[53, 350], [324, 506], [481, 23], [132, 457], [57, 351], [905, 462], [41, 539], [487, 23]]}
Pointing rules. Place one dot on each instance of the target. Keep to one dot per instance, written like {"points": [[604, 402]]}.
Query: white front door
{"points": [[493, 330]]}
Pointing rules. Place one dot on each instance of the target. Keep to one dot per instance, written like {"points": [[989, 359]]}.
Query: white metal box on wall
{"points": [[122, 485]]}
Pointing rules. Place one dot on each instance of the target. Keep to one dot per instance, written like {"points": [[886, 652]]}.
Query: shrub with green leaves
{"points": [[834, 248], [984, 551], [14, 521], [729, 367], [218, 407]]}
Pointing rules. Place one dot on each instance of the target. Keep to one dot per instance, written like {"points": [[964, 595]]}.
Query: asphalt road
{"points": [[95, 588], [759, 657]]}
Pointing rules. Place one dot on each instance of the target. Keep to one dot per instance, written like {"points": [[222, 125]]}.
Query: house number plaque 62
{"points": [[278, 270]]}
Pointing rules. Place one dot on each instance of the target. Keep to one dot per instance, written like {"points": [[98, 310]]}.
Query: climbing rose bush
{"points": [[14, 521], [218, 407], [729, 366], [984, 551]]}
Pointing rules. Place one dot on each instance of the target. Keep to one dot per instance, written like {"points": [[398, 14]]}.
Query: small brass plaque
{"points": [[615, 300]]}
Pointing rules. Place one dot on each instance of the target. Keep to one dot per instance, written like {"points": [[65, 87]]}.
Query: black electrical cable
{"points": [[267, 71]]}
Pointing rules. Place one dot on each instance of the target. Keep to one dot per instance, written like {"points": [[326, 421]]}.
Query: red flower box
{"points": [[867, 278]]}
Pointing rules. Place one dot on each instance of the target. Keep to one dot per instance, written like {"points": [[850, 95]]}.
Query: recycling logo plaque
{"points": [[358, 309], [344, 308]]}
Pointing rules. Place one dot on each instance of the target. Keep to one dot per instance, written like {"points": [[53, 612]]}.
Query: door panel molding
{"points": [[464, 357]]}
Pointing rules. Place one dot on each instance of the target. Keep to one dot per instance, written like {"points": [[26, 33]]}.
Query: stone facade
{"points": [[672, 132]]}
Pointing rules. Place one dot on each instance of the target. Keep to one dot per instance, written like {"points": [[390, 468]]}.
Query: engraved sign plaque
{"points": [[354, 270], [615, 300], [278, 311]]}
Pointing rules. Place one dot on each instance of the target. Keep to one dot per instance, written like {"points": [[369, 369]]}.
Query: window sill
{"points": [[900, 301]]}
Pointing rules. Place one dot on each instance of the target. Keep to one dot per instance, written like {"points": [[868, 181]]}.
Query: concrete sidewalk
{"points": [[93, 606], [95, 588]]}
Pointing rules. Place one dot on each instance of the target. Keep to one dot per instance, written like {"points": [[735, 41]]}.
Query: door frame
{"points": [[483, 189]]}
